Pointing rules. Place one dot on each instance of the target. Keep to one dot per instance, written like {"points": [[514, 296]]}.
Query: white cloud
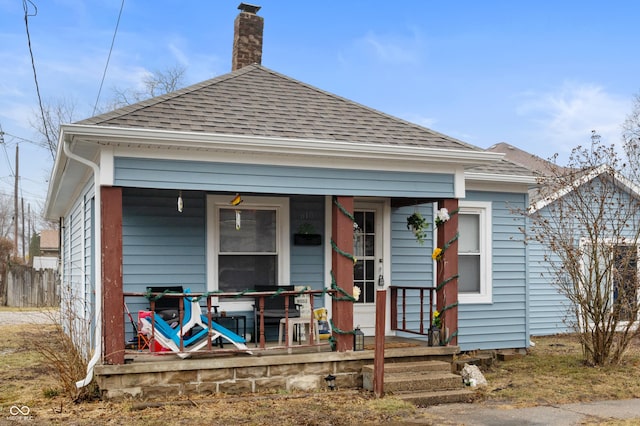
{"points": [[396, 49], [565, 117], [178, 53]]}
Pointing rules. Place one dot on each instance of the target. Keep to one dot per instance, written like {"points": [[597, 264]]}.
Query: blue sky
{"points": [[539, 75]]}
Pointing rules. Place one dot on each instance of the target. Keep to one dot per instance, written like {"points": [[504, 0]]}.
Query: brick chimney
{"points": [[247, 37]]}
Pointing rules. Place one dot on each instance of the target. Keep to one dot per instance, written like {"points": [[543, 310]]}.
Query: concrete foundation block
{"points": [[304, 383], [237, 386]]}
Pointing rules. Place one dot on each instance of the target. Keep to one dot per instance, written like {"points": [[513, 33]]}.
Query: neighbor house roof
{"points": [[256, 101], [49, 239], [502, 170], [524, 158], [580, 178]]}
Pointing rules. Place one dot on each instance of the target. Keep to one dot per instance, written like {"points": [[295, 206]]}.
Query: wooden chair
{"points": [[274, 309]]}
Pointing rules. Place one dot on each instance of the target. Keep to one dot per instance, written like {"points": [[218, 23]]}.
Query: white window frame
{"points": [[616, 242], [484, 210], [214, 204]]}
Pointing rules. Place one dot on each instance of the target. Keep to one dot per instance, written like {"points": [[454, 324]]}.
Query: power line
{"points": [[20, 138], [104, 73], [33, 64], [6, 154]]}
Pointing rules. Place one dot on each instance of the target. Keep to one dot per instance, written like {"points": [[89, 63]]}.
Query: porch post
{"points": [[447, 271], [112, 297], [342, 267]]}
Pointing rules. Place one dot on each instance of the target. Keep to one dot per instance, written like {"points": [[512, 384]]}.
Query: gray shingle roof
{"points": [[523, 158], [502, 167], [260, 102]]}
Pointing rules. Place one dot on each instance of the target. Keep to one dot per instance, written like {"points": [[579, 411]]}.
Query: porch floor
{"points": [[271, 349]]}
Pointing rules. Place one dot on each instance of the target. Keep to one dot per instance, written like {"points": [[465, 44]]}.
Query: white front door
{"points": [[369, 268]]}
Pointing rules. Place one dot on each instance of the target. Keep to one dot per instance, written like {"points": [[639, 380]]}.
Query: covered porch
{"points": [[409, 309]]}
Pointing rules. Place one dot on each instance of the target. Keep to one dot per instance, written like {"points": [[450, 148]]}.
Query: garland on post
{"points": [[442, 217], [334, 285]]}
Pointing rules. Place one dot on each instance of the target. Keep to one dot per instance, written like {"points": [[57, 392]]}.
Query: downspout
{"points": [[97, 264]]}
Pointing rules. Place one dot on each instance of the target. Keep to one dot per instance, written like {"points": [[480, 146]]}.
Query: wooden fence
{"points": [[23, 286]]}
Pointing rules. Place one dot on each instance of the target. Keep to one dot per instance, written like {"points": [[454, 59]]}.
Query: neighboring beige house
{"points": [[49, 250]]}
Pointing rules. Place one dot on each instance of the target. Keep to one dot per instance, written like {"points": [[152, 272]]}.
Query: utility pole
{"points": [[15, 208]]}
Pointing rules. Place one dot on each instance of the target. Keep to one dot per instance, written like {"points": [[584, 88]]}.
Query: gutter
{"points": [[97, 351], [313, 148]]}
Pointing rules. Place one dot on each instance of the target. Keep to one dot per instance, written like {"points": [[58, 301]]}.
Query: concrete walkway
{"points": [[42, 316], [489, 414]]}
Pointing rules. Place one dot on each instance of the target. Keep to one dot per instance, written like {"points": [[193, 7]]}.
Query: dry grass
{"points": [[27, 379], [552, 373]]}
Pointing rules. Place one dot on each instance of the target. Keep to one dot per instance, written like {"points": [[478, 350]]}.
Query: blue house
{"points": [[148, 195], [613, 204]]}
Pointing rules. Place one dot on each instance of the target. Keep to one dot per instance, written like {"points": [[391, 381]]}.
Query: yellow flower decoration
{"points": [[437, 253], [437, 321]]}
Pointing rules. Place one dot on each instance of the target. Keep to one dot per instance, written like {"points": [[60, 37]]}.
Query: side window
{"points": [[474, 252]]}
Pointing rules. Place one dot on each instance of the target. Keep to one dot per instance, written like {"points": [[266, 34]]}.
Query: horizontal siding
{"points": [[161, 246], [503, 323], [307, 262], [156, 173], [411, 263], [548, 308]]}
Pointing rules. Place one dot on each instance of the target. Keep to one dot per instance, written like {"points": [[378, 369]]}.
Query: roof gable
{"points": [[582, 178], [257, 101]]}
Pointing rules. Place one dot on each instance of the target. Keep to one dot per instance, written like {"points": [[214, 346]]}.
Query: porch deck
{"points": [[272, 369]]}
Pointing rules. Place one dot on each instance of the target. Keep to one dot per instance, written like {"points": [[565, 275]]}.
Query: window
{"points": [[248, 244], [364, 273], [474, 252], [617, 271], [625, 281]]}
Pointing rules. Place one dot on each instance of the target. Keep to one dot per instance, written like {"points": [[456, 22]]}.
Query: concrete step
{"points": [[413, 367], [422, 399], [422, 382], [408, 381]]}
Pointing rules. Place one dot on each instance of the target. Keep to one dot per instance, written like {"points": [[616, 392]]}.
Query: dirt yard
{"points": [[552, 373]]}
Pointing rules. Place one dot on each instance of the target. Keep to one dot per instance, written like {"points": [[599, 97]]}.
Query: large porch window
{"points": [[247, 244]]}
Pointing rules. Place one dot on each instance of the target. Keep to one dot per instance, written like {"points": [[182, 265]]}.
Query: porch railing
{"points": [[400, 295], [213, 314]]}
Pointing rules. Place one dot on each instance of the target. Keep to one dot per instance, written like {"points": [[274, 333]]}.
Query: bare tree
{"points": [[155, 84], [631, 137], [56, 112], [587, 219], [6, 215]]}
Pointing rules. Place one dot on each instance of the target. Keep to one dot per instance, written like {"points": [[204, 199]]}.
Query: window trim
{"points": [[484, 210], [214, 204], [621, 241]]}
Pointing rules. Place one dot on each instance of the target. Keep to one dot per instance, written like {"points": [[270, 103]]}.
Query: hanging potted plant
{"points": [[418, 225], [307, 236]]}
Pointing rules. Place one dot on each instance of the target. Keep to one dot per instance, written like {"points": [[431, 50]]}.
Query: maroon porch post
{"points": [[342, 236], [447, 297], [378, 355], [112, 297]]}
